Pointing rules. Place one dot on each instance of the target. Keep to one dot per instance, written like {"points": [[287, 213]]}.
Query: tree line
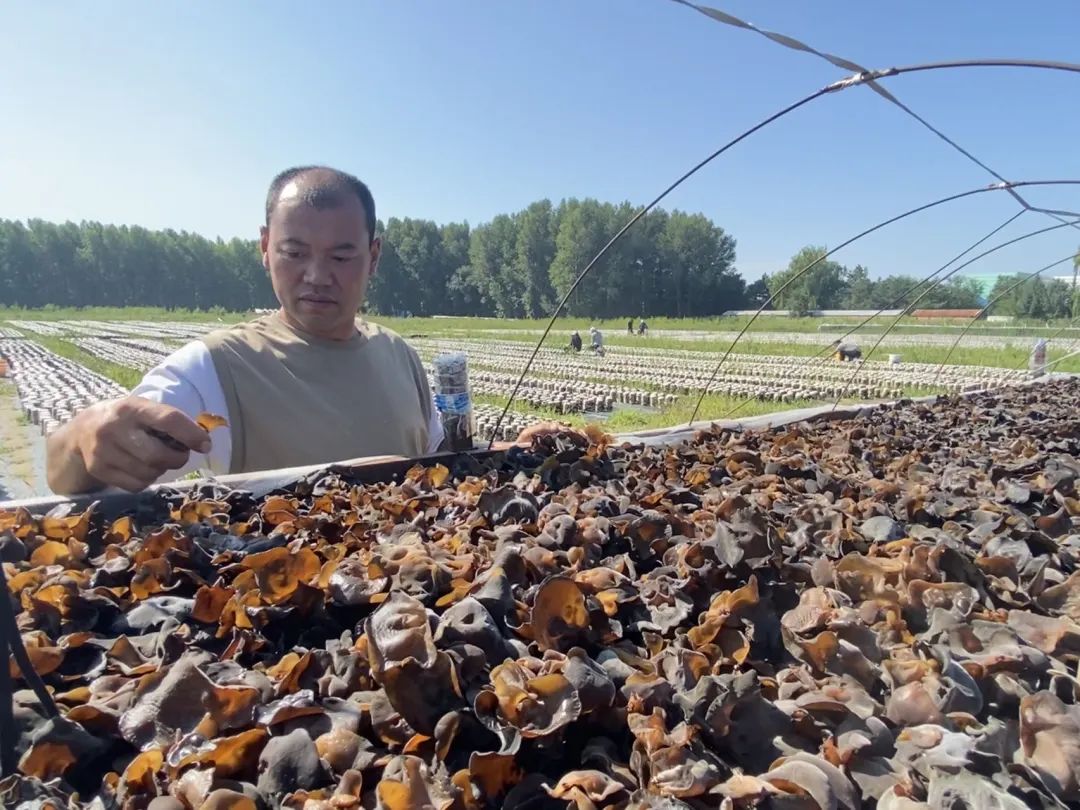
{"points": [[91, 264], [831, 285], [517, 265]]}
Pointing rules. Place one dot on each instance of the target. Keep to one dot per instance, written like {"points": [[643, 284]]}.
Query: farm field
{"points": [[1017, 328], [64, 360]]}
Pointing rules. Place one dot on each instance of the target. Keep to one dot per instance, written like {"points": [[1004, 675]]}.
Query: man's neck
{"points": [[343, 333]]}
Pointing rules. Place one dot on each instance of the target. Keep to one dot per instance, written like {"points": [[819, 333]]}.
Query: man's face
{"points": [[320, 262]]}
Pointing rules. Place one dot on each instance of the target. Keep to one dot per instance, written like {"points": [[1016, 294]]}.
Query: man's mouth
{"points": [[317, 300]]}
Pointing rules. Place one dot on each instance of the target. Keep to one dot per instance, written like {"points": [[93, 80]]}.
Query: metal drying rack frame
{"points": [[859, 76]]}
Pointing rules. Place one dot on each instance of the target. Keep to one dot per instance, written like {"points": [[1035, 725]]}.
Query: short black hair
{"points": [[328, 191]]}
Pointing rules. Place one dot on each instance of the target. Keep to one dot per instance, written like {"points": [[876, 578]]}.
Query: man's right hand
{"points": [[110, 444]]}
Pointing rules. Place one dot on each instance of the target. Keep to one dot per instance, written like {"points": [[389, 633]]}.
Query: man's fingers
{"points": [[176, 423], [117, 448], [118, 457], [123, 479], [129, 476], [140, 446], [541, 429]]}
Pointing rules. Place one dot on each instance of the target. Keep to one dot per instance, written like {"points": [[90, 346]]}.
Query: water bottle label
{"points": [[452, 403]]}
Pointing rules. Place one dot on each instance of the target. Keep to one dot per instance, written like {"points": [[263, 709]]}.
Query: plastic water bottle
{"points": [[1037, 360], [453, 399]]}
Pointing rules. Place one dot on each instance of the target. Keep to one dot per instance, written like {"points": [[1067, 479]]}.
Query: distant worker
{"points": [[630, 327], [597, 340], [643, 328], [846, 351], [575, 341]]}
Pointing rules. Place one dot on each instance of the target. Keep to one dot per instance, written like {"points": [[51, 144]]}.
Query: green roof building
{"points": [[986, 282]]}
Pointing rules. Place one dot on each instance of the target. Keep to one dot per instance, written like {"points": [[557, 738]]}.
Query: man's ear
{"points": [[264, 245], [376, 252]]}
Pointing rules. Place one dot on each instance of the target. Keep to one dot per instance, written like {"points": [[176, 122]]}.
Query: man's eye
{"points": [[290, 254], [344, 258]]}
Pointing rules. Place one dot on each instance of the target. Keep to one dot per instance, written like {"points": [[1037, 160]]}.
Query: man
{"points": [[643, 328], [575, 341], [597, 340], [307, 384], [845, 352]]}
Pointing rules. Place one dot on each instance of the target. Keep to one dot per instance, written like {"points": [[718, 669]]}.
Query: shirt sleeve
{"points": [[187, 381]]}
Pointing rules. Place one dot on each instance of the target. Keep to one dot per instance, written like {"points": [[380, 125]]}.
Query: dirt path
{"points": [[22, 450]]}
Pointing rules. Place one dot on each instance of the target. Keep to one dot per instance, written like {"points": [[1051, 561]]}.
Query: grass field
{"points": [[614, 335], [622, 419], [610, 326], [714, 407], [1013, 357], [127, 377], [765, 323], [120, 314]]}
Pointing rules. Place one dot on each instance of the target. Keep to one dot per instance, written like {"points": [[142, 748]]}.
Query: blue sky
{"points": [[177, 114]]}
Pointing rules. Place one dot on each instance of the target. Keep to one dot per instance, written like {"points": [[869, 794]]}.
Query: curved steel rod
{"points": [[879, 226], [1069, 345], [1040, 64], [852, 81], [641, 212], [991, 302], [11, 644], [914, 287], [15, 646], [894, 302], [847, 64], [954, 271], [1063, 357], [9, 759], [1068, 325]]}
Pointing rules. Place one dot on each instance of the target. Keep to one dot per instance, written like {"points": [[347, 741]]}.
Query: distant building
{"points": [[816, 313], [988, 280], [930, 314], [986, 283]]}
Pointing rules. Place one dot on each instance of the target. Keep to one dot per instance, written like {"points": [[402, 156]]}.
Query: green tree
{"points": [[1035, 298], [516, 265], [757, 293], [822, 286], [535, 251], [701, 260], [584, 228], [18, 266], [1004, 302], [861, 290], [390, 289], [897, 292], [646, 285], [959, 292], [419, 246], [463, 297], [493, 265]]}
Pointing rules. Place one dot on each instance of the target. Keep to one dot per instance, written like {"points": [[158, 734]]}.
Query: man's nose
{"points": [[317, 272]]}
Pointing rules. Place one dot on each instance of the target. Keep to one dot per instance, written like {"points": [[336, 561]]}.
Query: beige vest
{"points": [[296, 399]]}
